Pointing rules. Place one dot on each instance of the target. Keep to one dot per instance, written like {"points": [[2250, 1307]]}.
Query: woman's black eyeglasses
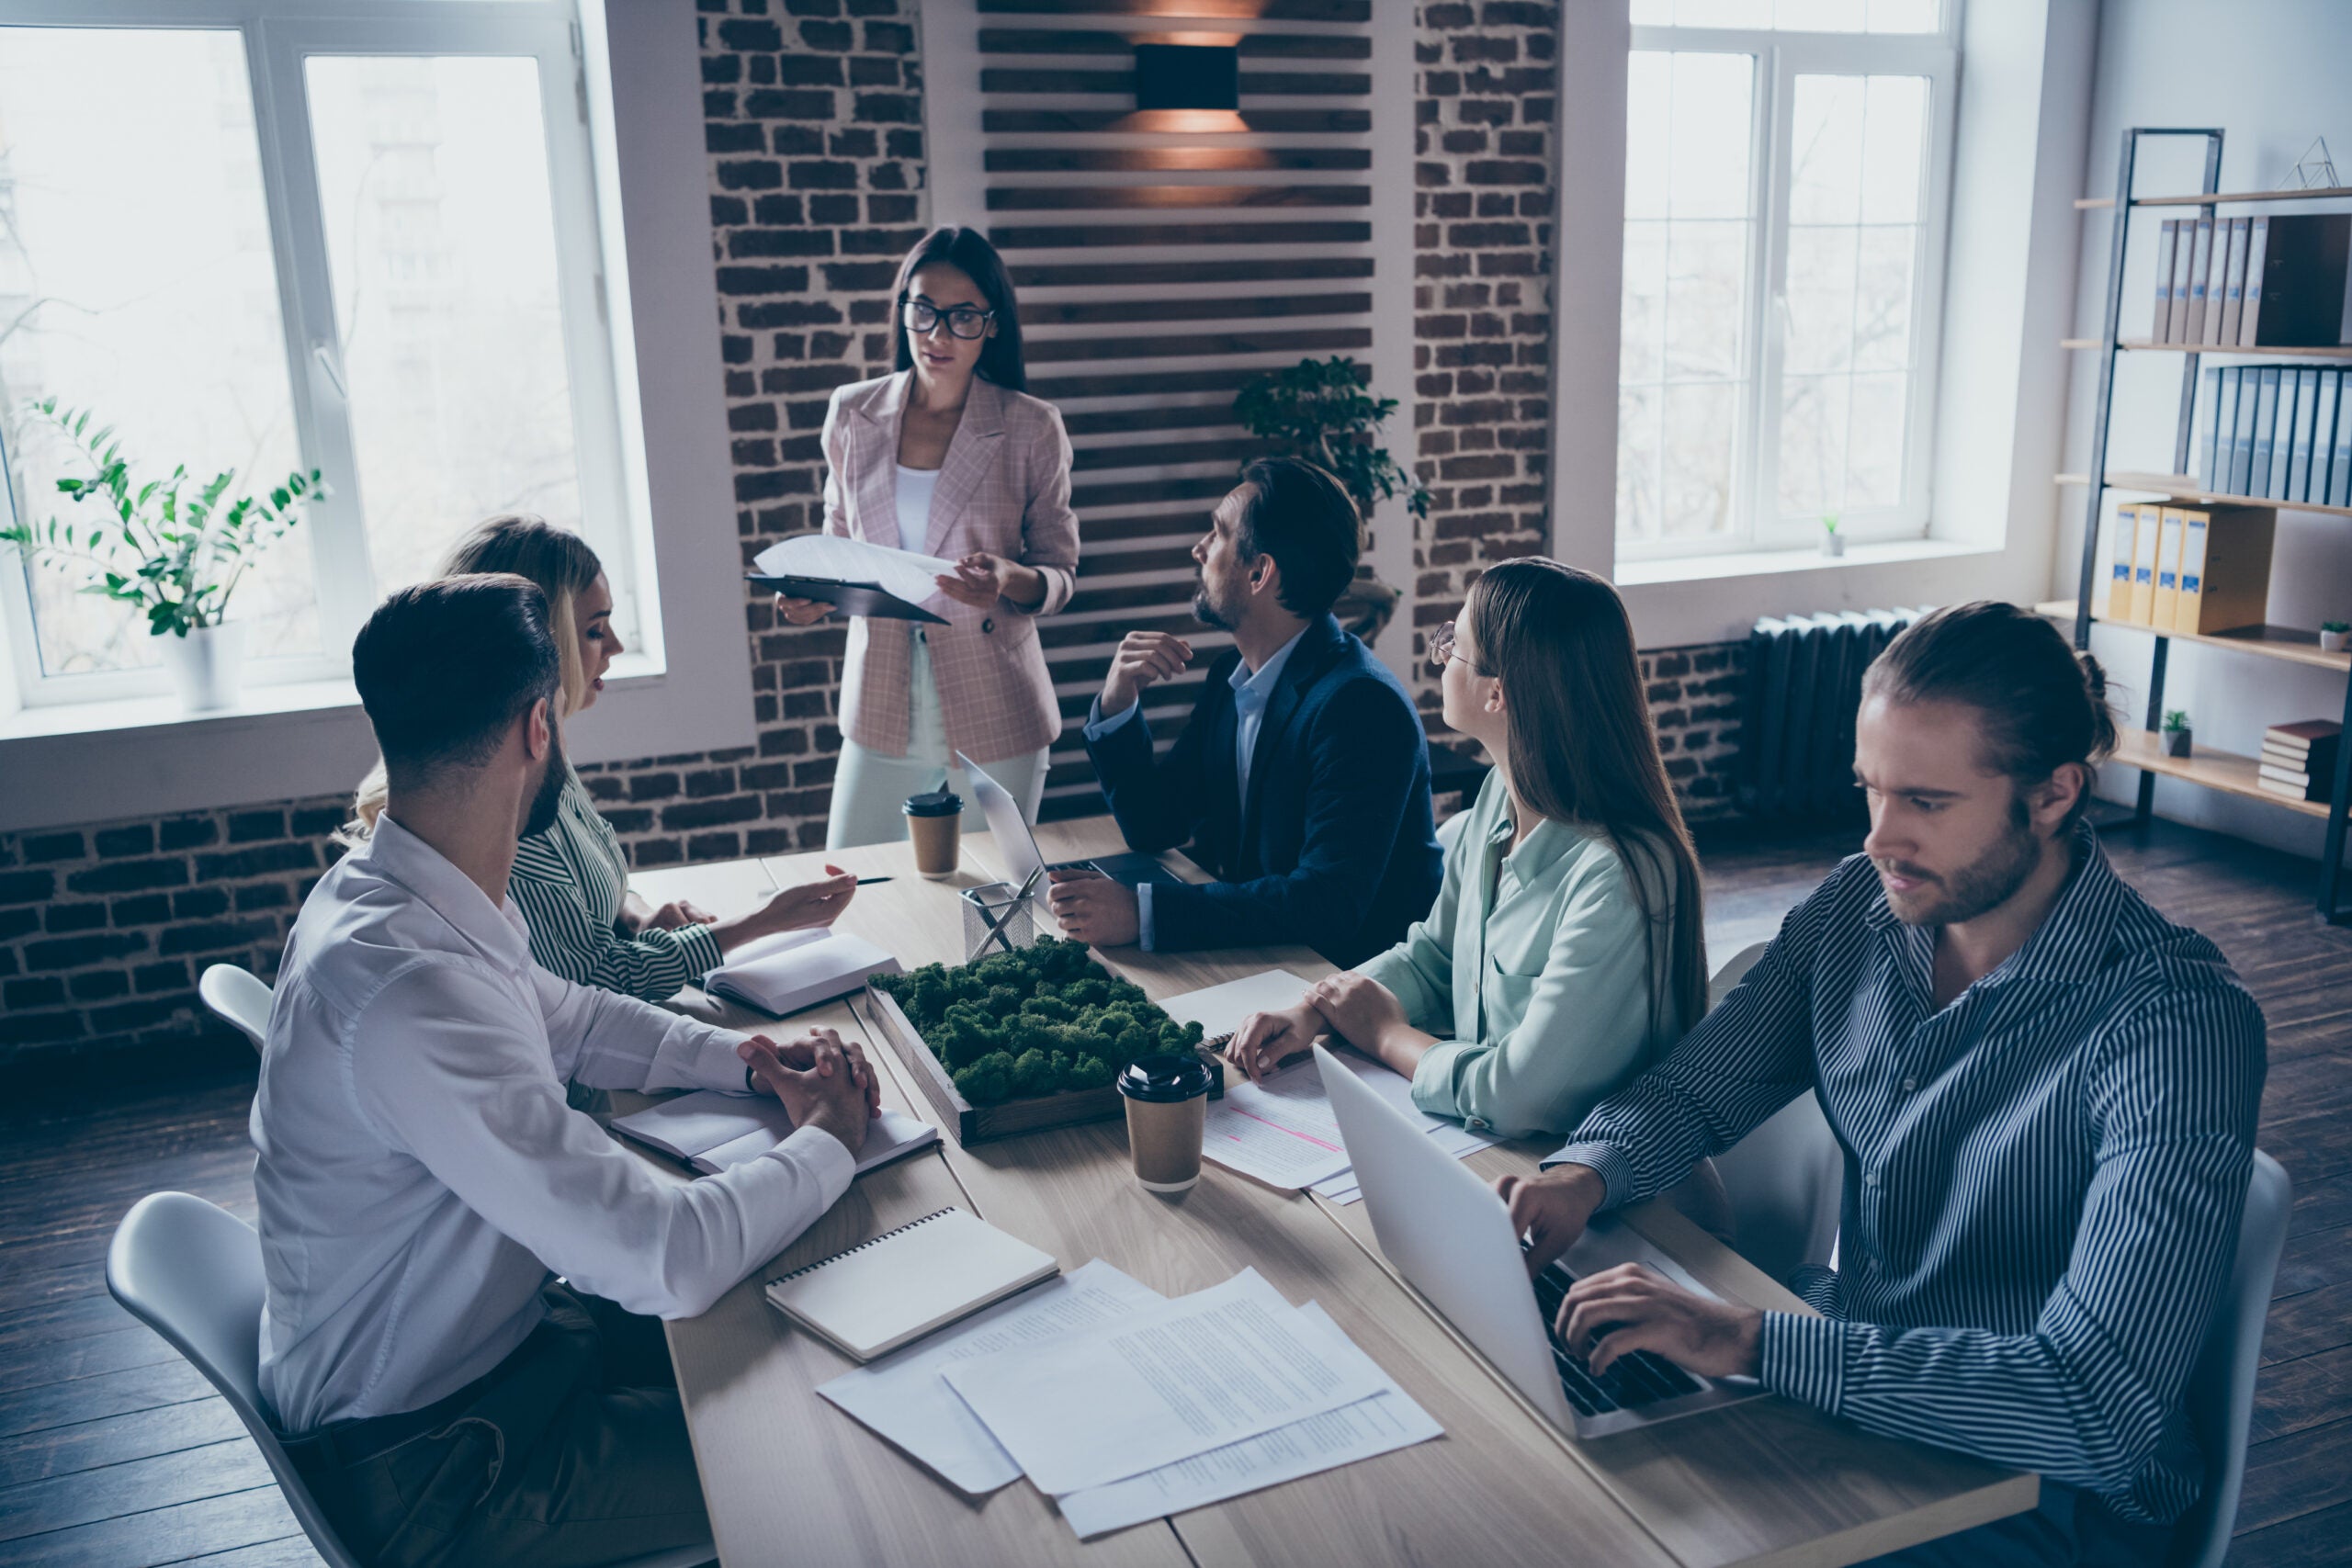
{"points": [[920, 316]]}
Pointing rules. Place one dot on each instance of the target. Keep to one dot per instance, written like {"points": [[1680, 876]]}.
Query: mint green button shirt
{"points": [[1535, 961]]}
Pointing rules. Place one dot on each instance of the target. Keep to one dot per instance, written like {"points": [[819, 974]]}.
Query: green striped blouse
{"points": [[569, 883]]}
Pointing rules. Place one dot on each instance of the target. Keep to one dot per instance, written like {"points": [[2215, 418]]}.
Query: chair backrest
{"points": [[2221, 1387], [192, 1272], [237, 998], [1786, 1179]]}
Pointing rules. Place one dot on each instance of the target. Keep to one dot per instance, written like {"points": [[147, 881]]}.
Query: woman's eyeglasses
{"points": [[920, 316], [1442, 648]]}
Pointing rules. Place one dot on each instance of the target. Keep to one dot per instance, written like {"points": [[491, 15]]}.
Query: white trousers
{"points": [[870, 787]]}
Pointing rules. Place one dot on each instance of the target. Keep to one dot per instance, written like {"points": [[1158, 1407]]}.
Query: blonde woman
{"points": [[571, 881]]}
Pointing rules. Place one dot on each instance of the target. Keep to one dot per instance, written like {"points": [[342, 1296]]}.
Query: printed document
{"points": [[1281, 1132], [902, 572], [1173, 1382], [902, 1397], [1386, 1421]]}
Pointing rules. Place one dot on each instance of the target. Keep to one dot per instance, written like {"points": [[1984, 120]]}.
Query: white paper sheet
{"points": [[1219, 1009], [1388, 1420], [902, 1396], [1202, 1372], [1279, 1131], [902, 572]]}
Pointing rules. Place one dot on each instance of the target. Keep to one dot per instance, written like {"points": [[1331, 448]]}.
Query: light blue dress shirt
{"points": [[1252, 690]]}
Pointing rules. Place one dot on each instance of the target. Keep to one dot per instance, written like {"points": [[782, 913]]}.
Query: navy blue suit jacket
{"points": [[1335, 846]]}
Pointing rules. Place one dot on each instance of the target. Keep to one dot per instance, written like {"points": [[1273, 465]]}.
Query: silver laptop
{"points": [[1017, 846], [1451, 1236]]}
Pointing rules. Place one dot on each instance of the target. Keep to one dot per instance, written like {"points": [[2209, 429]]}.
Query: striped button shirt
{"points": [[569, 883], [2044, 1178]]}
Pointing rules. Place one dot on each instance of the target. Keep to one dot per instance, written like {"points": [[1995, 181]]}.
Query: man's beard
{"points": [[550, 796], [1208, 612], [1992, 880]]}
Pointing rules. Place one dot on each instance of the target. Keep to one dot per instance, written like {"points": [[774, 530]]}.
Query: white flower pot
{"points": [[2335, 642], [1833, 544], [208, 665]]}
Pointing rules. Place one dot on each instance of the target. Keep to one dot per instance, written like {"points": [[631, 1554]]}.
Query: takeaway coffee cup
{"points": [[1168, 1106], [936, 823]]}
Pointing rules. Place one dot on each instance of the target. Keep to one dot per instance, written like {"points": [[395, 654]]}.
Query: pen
{"points": [[869, 881]]}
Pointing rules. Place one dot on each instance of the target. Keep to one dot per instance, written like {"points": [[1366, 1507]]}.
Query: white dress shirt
{"points": [[1252, 690], [420, 1175]]}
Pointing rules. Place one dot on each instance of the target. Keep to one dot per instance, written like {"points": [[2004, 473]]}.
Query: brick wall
{"points": [[814, 126]]}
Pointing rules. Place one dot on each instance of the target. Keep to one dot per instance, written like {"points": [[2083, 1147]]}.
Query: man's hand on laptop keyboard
{"points": [[1552, 1208], [1630, 1308]]}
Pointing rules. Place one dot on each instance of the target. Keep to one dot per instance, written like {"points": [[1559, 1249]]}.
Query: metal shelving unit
{"points": [[2207, 769]]}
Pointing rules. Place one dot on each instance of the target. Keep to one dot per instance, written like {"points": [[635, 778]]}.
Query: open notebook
{"points": [[792, 970], [904, 1283], [710, 1131]]}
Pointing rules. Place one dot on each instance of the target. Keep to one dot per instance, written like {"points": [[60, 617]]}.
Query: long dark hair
{"points": [[1583, 749], [2042, 704], [968, 251]]}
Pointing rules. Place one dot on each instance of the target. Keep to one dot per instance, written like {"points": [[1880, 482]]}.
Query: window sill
{"points": [[1763, 563], [87, 763]]}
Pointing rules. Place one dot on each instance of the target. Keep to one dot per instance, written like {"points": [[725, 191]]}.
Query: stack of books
{"points": [[2252, 282], [2298, 760], [2277, 433]]}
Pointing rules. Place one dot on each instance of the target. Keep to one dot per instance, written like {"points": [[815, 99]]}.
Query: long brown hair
{"points": [[563, 566], [1583, 749]]}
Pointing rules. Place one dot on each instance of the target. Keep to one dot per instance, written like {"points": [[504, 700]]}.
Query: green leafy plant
{"points": [[2175, 720], [1037, 1020], [1829, 522], [2338, 628], [1319, 410], [168, 548]]}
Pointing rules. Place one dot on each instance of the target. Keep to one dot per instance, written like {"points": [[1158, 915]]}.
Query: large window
{"points": [[252, 237], [1786, 182]]}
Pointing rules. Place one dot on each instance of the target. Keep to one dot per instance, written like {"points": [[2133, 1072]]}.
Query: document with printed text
{"points": [[903, 1398], [1386, 1421], [1198, 1374]]}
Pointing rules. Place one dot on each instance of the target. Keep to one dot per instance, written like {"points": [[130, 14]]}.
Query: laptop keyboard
{"points": [[1632, 1380]]}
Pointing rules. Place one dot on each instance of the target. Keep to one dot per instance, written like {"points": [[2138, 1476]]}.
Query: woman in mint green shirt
{"points": [[1565, 953]]}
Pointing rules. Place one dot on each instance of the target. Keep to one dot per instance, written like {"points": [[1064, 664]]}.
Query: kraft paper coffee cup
{"points": [[1168, 1106], [936, 823]]}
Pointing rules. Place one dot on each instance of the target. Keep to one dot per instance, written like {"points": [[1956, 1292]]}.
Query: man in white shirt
{"points": [[422, 1180]]}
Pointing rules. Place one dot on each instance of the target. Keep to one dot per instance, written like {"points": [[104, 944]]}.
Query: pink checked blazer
{"points": [[1004, 488]]}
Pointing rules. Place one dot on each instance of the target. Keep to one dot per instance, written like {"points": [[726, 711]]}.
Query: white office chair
{"points": [[1785, 1179], [2221, 1386], [238, 999], [191, 1272]]}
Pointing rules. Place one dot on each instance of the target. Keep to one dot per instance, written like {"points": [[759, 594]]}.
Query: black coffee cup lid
{"points": [[1164, 1080], [938, 803]]}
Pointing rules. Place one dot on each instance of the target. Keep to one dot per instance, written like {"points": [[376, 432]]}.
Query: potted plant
{"points": [[2176, 733], [1833, 543], [2334, 636], [169, 548], [1321, 410]]}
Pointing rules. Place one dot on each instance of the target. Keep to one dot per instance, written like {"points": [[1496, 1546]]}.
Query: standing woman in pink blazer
{"points": [[948, 457]]}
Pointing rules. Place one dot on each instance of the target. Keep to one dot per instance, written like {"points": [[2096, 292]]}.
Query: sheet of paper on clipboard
{"points": [[834, 568]]}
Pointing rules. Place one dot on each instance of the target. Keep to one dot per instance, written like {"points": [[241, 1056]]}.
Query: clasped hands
{"points": [[1359, 1010], [823, 1080]]}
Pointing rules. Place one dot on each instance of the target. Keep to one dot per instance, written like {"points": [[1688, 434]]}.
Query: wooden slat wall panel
{"points": [[1165, 259]]}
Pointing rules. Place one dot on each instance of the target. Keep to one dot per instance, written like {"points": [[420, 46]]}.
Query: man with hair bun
{"points": [[2045, 1093]]}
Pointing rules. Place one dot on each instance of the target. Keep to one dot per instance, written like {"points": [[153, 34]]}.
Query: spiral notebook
{"points": [[906, 1282]]}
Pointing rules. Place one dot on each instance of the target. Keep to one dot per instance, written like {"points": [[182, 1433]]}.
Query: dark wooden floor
{"points": [[114, 1453]]}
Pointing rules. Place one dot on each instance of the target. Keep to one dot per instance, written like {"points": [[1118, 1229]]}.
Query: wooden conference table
{"points": [[790, 1480]]}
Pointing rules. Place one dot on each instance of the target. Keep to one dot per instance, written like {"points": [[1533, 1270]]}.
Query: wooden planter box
{"points": [[888, 1021]]}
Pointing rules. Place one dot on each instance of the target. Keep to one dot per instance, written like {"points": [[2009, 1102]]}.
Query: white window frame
{"points": [[1781, 58], [278, 37]]}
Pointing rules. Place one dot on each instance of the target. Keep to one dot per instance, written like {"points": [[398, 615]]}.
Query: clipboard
{"points": [[850, 597]]}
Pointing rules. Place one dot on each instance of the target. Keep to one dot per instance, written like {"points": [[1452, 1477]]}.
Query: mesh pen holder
{"points": [[997, 919]]}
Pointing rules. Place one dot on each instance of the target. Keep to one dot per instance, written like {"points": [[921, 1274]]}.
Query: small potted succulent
{"points": [[1833, 543], [2334, 636], [171, 549], [2177, 732]]}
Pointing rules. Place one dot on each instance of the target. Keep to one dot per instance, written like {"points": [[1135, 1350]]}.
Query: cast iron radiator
{"points": [[1804, 684]]}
